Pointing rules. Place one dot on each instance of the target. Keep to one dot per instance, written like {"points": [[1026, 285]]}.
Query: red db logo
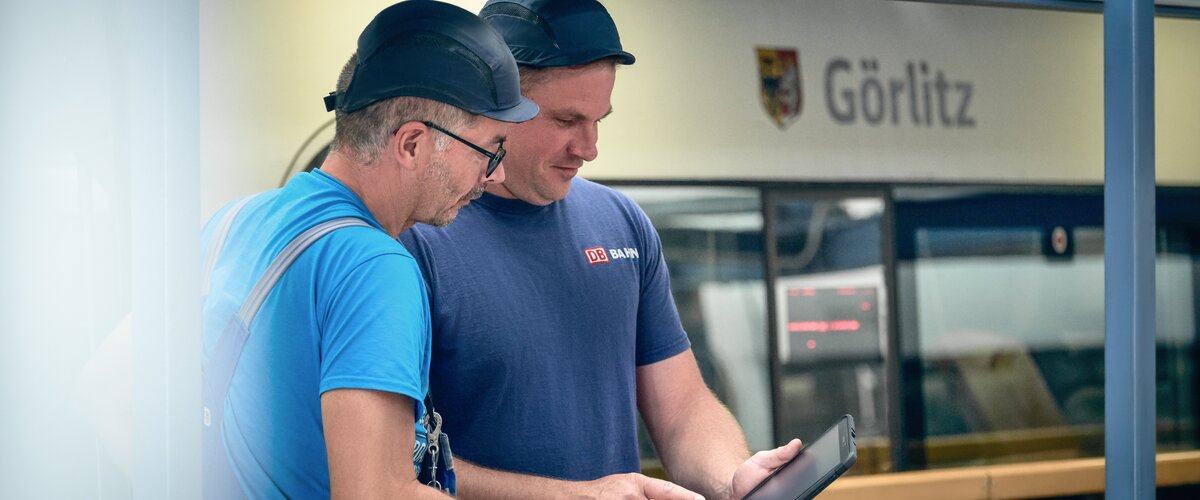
{"points": [[596, 255]]}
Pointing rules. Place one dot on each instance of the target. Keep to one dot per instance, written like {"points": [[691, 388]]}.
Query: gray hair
{"points": [[363, 134]]}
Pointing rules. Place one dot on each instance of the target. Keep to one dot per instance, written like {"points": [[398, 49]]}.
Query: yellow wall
{"points": [[690, 107]]}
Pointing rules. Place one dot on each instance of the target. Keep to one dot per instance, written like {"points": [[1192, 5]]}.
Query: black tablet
{"points": [[817, 465]]}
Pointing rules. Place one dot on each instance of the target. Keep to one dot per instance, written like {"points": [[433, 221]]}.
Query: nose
{"points": [[583, 145]]}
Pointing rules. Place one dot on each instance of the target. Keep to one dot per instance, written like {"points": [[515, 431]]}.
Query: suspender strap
{"points": [[284, 260], [220, 481], [220, 233], [224, 358]]}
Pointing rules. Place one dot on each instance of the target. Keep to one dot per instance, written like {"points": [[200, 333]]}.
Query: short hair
{"points": [[532, 76], [363, 134]]}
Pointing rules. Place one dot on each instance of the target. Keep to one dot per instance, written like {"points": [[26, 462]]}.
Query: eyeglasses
{"points": [[494, 159]]}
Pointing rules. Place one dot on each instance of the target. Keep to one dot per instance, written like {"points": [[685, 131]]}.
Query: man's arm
{"points": [[699, 441], [481, 482], [369, 437]]}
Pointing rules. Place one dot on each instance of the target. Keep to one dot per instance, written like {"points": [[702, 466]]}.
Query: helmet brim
{"points": [[528, 56], [522, 112]]}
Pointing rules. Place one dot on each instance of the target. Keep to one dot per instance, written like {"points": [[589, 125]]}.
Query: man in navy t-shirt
{"points": [[316, 357], [553, 321]]}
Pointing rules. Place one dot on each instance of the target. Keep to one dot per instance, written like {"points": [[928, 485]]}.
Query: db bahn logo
{"points": [[596, 255], [601, 255], [779, 72]]}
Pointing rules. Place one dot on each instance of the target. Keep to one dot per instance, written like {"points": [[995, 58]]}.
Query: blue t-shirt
{"points": [[351, 312], [541, 316]]}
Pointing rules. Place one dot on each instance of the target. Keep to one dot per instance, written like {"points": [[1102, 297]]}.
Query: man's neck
{"points": [[499, 189], [502, 190], [385, 195]]}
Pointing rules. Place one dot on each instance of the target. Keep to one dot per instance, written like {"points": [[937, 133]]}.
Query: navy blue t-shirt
{"points": [[541, 316]]}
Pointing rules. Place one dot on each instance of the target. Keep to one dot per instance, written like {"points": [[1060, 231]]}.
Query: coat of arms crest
{"points": [[779, 72]]}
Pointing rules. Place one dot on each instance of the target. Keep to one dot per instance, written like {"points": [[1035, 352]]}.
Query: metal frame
{"points": [[771, 263], [1094, 6], [899, 415], [1129, 227]]}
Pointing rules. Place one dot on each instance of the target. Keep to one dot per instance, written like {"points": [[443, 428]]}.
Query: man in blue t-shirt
{"points": [[553, 321], [316, 348]]}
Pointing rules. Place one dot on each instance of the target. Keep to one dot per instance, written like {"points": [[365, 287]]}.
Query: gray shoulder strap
{"points": [[220, 234], [284, 260]]}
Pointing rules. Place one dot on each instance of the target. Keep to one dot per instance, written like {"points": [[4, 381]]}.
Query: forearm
{"points": [[480, 482], [700, 443], [703, 447], [369, 436], [399, 489], [422, 492], [476, 482]]}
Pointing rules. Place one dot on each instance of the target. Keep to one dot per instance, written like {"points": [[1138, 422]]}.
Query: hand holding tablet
{"points": [[814, 468]]}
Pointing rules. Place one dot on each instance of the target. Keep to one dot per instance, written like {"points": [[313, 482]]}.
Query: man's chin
{"points": [[561, 194], [444, 219]]}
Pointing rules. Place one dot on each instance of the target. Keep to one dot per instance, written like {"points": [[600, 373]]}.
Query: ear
{"points": [[411, 145]]}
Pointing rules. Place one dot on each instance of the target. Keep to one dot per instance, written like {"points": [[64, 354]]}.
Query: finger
{"points": [[666, 490], [771, 459]]}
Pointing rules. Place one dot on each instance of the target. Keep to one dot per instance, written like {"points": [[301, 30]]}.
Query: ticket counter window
{"points": [[712, 244], [960, 326], [1001, 309], [830, 326]]}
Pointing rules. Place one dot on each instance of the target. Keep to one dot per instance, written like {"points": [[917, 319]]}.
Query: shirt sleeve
{"points": [[660, 333], [376, 329]]}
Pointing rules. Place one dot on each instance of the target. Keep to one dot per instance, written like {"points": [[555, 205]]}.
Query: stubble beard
{"points": [[438, 178]]}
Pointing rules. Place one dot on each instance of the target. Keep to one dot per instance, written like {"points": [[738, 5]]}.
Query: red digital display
{"points": [[832, 323], [846, 325]]}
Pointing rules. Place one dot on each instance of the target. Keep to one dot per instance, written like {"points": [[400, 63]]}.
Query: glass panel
{"points": [[1002, 322], [991, 327], [712, 243], [831, 319], [1177, 308]]}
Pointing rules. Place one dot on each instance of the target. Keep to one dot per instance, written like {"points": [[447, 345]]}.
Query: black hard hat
{"points": [[544, 33], [434, 50]]}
